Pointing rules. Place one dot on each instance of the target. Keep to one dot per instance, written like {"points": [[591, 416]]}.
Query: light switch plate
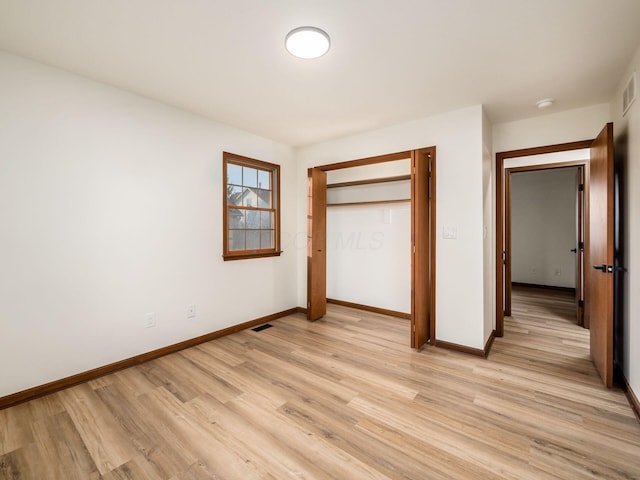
{"points": [[150, 319], [449, 232]]}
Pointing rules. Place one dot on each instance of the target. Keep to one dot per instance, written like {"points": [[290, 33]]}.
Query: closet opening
{"points": [[371, 238]]}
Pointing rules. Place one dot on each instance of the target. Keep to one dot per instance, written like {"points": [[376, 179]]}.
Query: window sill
{"points": [[246, 255]]}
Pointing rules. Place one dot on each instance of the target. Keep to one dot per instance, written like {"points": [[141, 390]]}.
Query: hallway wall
{"points": [[543, 227]]}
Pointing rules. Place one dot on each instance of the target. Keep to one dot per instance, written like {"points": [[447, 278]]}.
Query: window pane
{"points": [[236, 218], [264, 179], [253, 239], [253, 219], [234, 174], [265, 219], [264, 198], [249, 177], [266, 238], [249, 197], [234, 195], [236, 240]]}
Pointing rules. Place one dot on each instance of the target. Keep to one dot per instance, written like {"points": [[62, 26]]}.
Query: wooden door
{"points": [[599, 298], [316, 244], [579, 248], [421, 300]]}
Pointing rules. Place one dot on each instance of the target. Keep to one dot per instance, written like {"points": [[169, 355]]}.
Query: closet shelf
{"points": [[369, 181], [372, 202]]}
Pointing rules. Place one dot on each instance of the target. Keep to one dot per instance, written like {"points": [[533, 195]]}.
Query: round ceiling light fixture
{"points": [[546, 103], [307, 42]]}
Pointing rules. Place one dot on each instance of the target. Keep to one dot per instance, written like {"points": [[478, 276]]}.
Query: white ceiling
{"points": [[389, 61]]}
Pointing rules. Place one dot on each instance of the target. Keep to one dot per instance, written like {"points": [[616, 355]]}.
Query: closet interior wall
{"points": [[369, 235]]}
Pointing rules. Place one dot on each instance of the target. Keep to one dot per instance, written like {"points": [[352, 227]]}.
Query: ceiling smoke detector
{"points": [[546, 103]]}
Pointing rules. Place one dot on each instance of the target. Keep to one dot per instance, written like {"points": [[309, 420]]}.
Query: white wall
{"points": [[488, 227], [568, 126], [369, 255], [459, 262], [627, 133], [111, 208], [543, 227]]}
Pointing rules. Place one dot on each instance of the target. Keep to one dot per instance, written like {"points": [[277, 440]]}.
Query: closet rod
{"points": [[372, 202]]}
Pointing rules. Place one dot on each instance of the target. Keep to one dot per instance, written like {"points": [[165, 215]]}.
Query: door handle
{"points": [[574, 250], [609, 268]]}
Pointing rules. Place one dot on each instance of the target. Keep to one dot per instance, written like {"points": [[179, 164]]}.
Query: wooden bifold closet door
{"points": [[421, 264], [316, 244]]}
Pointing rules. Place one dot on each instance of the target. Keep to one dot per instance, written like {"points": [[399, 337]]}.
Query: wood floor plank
{"points": [[340, 398], [367, 447], [239, 433], [105, 440], [312, 448], [14, 432], [196, 438], [436, 462], [197, 471], [132, 470], [448, 440], [63, 452], [154, 444], [303, 383], [134, 380], [26, 463]]}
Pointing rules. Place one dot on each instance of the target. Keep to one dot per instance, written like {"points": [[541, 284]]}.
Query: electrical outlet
{"points": [[191, 311], [150, 319]]}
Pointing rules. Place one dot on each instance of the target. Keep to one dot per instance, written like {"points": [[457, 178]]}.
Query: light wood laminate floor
{"points": [[343, 398]]}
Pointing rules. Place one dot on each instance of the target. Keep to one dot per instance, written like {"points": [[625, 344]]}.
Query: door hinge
{"points": [[581, 303], [581, 245], [414, 249], [414, 328], [581, 187]]}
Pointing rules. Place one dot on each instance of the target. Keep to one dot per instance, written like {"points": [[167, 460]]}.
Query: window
{"points": [[251, 200]]}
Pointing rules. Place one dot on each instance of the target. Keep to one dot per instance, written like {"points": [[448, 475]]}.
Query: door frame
{"points": [[502, 255], [431, 192]]}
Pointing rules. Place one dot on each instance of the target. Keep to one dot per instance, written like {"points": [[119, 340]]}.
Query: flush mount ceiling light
{"points": [[546, 103], [307, 42]]}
